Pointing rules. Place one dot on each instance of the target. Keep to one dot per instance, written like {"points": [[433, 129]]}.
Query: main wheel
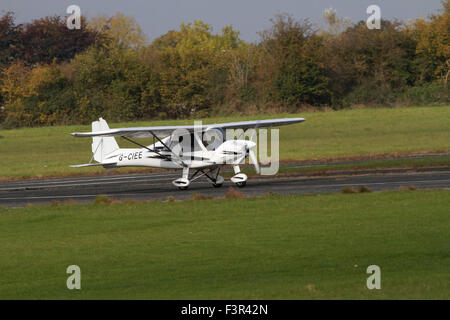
{"points": [[182, 188], [218, 182], [241, 184]]}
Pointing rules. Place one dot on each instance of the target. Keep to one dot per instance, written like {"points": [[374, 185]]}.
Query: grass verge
{"points": [[274, 247]]}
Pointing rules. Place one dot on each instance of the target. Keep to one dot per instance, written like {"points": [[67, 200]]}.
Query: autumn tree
{"points": [[120, 30], [433, 46], [10, 36], [35, 96], [48, 39]]}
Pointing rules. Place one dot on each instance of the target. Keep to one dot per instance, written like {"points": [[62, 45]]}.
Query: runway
{"points": [[158, 186]]}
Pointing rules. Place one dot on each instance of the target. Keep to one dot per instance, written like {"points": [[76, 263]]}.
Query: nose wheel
{"points": [[181, 184], [240, 180]]}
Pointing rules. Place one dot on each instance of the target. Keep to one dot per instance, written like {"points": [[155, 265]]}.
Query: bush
{"points": [[102, 199], [364, 189], [69, 202], [427, 94], [349, 190], [129, 201], [199, 196], [234, 194], [371, 94]]}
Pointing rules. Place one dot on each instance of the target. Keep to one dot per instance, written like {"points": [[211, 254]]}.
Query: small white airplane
{"points": [[179, 147]]}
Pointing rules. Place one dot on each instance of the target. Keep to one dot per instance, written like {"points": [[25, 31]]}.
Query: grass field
{"points": [[38, 152], [274, 247], [412, 163]]}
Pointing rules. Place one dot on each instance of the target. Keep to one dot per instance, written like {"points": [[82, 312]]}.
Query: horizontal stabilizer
{"points": [[92, 165]]}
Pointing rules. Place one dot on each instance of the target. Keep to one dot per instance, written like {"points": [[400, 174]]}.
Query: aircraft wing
{"points": [[164, 131]]}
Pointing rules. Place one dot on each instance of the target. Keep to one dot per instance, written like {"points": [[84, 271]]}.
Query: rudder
{"points": [[102, 146]]}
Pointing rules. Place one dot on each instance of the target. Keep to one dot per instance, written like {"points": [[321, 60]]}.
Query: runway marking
{"points": [[304, 186], [95, 182], [388, 182], [74, 196], [93, 179]]}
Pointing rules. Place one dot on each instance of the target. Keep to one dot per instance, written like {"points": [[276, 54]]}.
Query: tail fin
{"points": [[102, 146]]}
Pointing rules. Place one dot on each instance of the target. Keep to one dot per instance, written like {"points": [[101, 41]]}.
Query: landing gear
{"points": [[219, 182], [183, 183], [239, 179], [212, 175]]}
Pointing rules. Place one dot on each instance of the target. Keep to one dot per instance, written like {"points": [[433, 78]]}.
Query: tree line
{"points": [[52, 75]]}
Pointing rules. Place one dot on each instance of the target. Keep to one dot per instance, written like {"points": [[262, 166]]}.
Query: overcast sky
{"points": [[156, 17]]}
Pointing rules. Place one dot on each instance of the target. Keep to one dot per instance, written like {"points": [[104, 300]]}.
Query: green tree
{"points": [[193, 68], [110, 82], [375, 63], [297, 73]]}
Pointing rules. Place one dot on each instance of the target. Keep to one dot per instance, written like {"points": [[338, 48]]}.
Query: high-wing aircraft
{"points": [[201, 148]]}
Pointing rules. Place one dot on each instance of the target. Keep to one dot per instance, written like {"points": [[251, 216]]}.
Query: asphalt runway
{"points": [[152, 186]]}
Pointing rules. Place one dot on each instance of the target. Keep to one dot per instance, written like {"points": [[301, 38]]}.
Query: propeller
{"points": [[254, 161], [250, 145]]}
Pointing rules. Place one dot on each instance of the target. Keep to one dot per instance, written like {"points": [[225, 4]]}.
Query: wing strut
{"points": [[140, 145], [93, 155], [157, 138]]}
